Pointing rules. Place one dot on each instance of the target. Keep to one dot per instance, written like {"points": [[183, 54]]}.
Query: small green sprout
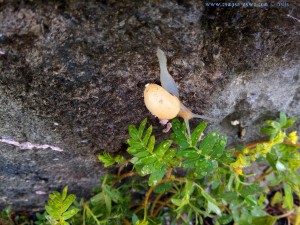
{"points": [[58, 206]]}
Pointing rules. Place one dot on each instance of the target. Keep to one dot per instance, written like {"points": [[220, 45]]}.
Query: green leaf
{"points": [[176, 201], [113, 193], [169, 155], [133, 132], [53, 213], [147, 169], [154, 221], [190, 163], [140, 154], [273, 124], [107, 159], [133, 150], [157, 176], [68, 202], [64, 193], [280, 166], [51, 220], [251, 200], [208, 197], [163, 188], [159, 164], [141, 128], [269, 131], [276, 198], [234, 208], [179, 135], [227, 157], [279, 137], [283, 119], [142, 222], [211, 203], [177, 127], [265, 220], [225, 219], [119, 159], [55, 204], [289, 123], [272, 160], [134, 219], [147, 136], [55, 195], [98, 197], [107, 200], [229, 196], [70, 213], [213, 207], [51, 203], [162, 148], [218, 148], [135, 143], [204, 166], [258, 211], [181, 141], [147, 160], [288, 200], [138, 168], [207, 144], [65, 223], [250, 190], [151, 144], [197, 133], [188, 153]]}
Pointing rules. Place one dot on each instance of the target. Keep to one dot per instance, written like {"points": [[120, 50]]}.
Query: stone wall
{"points": [[72, 75]]}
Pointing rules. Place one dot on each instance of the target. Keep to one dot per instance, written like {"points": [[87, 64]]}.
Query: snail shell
{"points": [[160, 102]]}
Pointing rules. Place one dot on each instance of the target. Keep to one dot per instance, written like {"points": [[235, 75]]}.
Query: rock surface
{"points": [[72, 74]]}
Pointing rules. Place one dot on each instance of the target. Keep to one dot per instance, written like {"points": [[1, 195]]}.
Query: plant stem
{"points": [[168, 175], [154, 203], [152, 188], [85, 206], [262, 176], [162, 205], [125, 221], [122, 167], [169, 172], [123, 176], [83, 216], [285, 214]]}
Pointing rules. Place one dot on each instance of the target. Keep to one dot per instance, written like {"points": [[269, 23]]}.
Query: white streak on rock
{"points": [[28, 145]]}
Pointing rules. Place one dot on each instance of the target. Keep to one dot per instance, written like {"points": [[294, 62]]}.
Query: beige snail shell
{"points": [[160, 102]]}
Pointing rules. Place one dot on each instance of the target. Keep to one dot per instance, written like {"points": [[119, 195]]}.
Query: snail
{"points": [[163, 101], [160, 102]]}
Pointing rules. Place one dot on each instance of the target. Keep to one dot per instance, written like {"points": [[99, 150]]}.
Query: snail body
{"points": [[164, 101], [160, 102]]}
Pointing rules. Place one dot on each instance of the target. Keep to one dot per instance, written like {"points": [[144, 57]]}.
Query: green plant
{"points": [[188, 178], [8, 217], [58, 206], [213, 185], [41, 218]]}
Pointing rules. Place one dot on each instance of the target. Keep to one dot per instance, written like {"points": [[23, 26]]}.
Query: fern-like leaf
{"points": [[58, 206], [108, 160]]}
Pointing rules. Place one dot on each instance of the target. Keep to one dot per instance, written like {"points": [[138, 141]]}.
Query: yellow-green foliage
{"points": [[148, 190]]}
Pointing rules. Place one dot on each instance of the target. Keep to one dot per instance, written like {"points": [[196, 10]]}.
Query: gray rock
{"points": [[72, 76]]}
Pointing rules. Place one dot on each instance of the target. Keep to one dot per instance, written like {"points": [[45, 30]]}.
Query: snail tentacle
{"points": [[166, 80]]}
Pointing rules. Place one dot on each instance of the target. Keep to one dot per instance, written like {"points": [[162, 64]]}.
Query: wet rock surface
{"points": [[72, 74]]}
